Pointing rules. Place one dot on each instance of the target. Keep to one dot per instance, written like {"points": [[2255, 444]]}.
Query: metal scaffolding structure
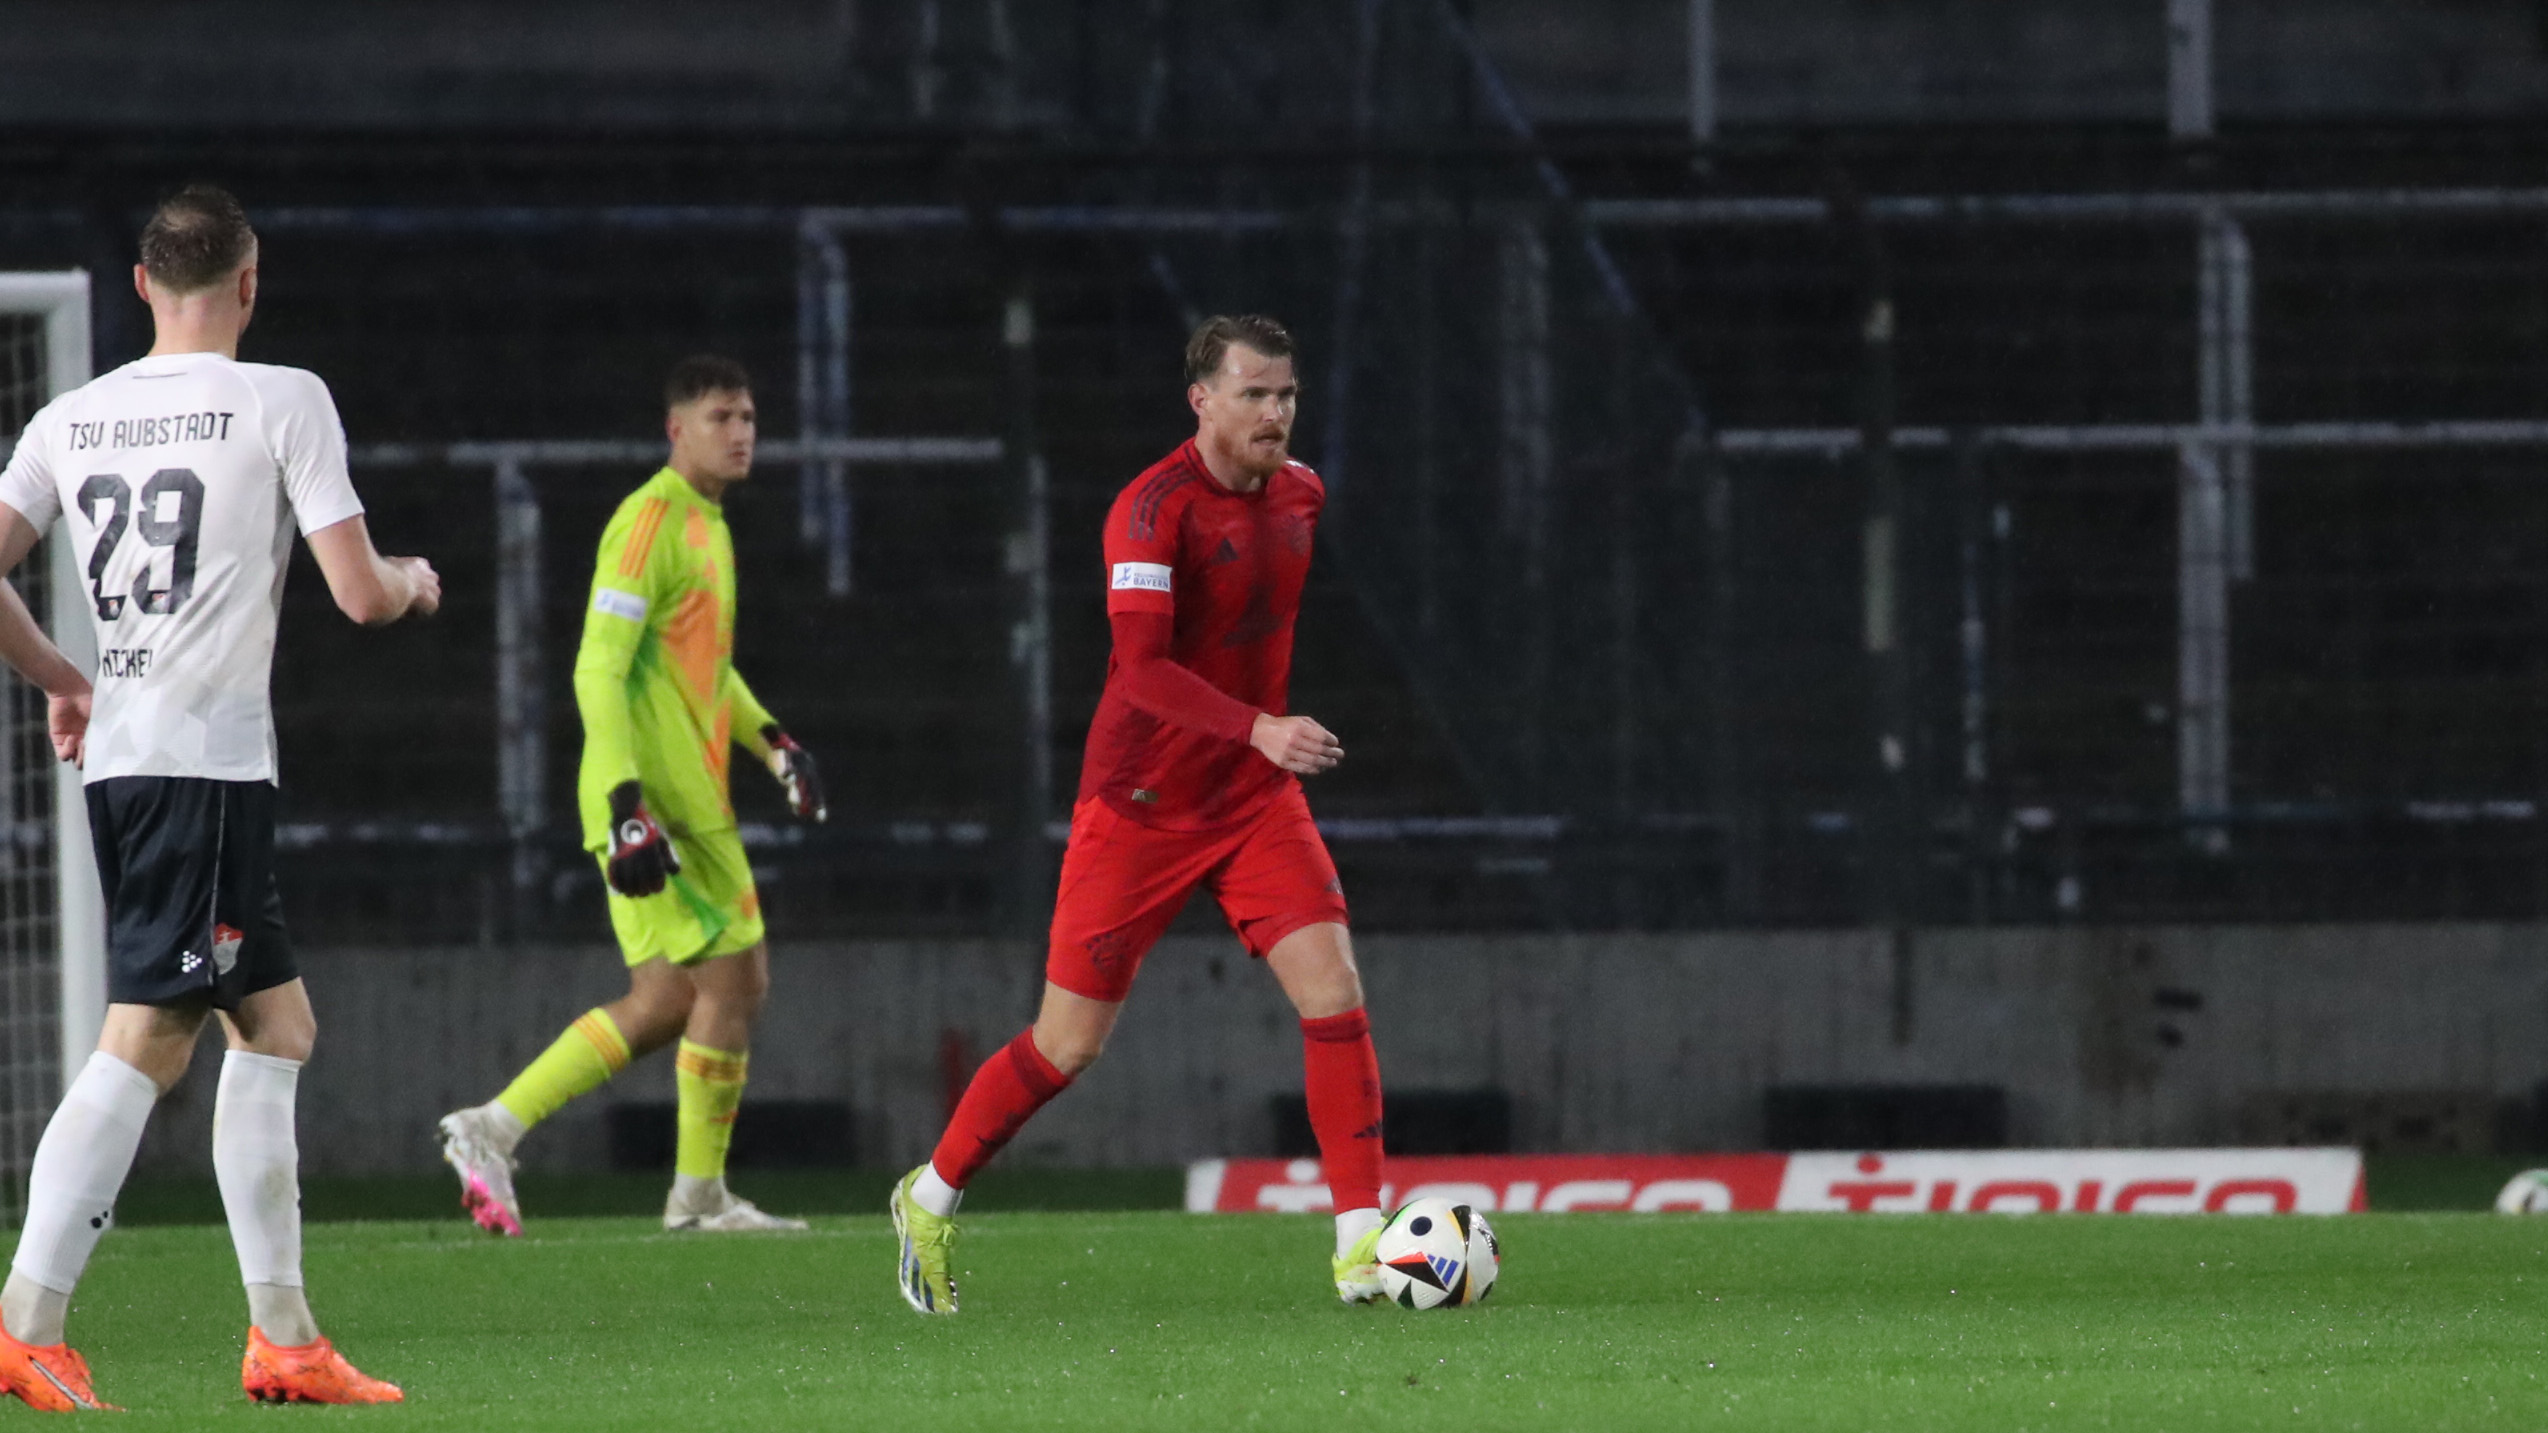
{"points": [[521, 663], [1563, 409], [2216, 453]]}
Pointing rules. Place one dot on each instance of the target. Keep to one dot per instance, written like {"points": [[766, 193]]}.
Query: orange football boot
{"points": [[50, 1377], [313, 1373]]}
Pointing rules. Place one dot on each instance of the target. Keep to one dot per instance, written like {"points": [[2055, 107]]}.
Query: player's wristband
{"points": [[794, 766]]}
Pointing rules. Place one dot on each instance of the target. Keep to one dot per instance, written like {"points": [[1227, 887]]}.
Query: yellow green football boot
{"points": [[927, 1243], [1358, 1271]]}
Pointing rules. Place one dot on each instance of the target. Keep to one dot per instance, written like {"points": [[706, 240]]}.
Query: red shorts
{"points": [[1123, 883]]}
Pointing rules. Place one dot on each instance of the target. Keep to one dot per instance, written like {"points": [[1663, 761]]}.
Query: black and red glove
{"points": [[641, 855], [793, 765]]}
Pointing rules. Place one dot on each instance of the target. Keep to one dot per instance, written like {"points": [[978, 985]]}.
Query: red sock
{"points": [[1343, 1079], [1006, 1092]]}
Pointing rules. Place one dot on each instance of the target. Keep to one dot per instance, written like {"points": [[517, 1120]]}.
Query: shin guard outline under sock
{"points": [[256, 1159], [1006, 1092], [580, 1061], [709, 1083], [1341, 1077], [79, 1168]]}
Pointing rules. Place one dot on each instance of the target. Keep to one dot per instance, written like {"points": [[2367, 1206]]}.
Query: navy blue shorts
{"points": [[192, 911]]}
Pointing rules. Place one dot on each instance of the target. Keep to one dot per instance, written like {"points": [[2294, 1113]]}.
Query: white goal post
{"points": [[44, 352]]}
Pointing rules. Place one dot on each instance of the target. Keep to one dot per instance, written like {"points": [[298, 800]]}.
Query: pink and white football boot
{"points": [[486, 1172]]}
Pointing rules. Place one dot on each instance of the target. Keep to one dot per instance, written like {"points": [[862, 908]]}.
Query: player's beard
{"points": [[1265, 461]]}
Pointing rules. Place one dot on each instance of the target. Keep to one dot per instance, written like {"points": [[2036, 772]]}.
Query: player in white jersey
{"points": [[177, 479]]}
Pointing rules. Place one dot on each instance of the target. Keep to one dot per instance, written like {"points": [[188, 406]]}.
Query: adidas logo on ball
{"points": [[1435, 1254]]}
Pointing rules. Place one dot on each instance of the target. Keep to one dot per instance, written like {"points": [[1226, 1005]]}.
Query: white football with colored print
{"points": [[1435, 1254], [2526, 1194]]}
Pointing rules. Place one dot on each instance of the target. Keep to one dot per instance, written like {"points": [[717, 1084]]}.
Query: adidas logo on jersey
{"points": [[1226, 553]]}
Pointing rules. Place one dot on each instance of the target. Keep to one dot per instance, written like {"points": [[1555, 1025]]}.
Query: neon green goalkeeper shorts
{"points": [[708, 910]]}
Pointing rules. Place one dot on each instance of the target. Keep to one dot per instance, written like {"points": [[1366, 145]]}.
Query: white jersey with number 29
{"points": [[177, 480]]}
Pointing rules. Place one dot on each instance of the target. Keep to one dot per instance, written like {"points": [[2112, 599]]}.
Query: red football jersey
{"points": [[1227, 568]]}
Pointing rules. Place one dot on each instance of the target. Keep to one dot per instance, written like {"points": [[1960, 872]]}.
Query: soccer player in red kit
{"points": [[1192, 782]]}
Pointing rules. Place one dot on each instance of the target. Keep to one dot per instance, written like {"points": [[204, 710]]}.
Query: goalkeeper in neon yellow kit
{"points": [[663, 708]]}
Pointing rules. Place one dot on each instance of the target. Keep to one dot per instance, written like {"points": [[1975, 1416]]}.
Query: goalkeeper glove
{"points": [[793, 765], [641, 855]]}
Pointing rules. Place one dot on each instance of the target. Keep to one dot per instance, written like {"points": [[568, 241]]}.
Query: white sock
{"points": [[504, 1128], [282, 1311], [693, 1195], [80, 1166], [257, 1162], [33, 1313], [1351, 1225], [933, 1193]]}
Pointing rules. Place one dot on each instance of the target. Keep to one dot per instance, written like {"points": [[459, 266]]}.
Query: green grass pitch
{"points": [[1166, 1320]]}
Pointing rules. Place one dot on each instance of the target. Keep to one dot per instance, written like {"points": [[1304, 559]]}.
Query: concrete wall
{"points": [[1605, 1042]]}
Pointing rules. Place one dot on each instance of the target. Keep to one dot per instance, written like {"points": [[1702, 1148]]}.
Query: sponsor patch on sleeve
{"points": [[619, 604], [1141, 577]]}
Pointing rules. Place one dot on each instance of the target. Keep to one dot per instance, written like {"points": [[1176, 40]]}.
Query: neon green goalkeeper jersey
{"points": [[654, 675]]}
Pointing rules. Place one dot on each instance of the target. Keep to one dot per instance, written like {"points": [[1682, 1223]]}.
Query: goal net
{"points": [[49, 1008]]}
